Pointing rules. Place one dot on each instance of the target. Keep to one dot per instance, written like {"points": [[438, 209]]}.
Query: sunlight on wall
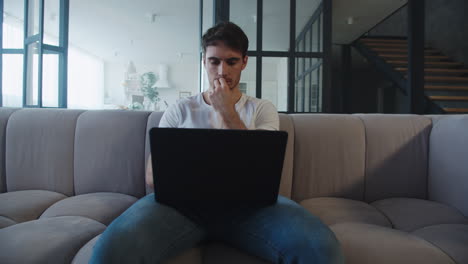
{"points": [[85, 80], [12, 88]]}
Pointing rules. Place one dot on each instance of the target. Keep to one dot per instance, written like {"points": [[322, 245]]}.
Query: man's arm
{"points": [[170, 118], [149, 173]]}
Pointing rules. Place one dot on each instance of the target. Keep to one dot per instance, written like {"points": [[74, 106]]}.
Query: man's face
{"points": [[223, 62]]}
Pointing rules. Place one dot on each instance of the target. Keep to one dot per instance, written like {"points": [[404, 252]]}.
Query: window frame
{"points": [[322, 15]]}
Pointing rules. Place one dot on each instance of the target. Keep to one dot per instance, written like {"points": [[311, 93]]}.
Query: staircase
{"points": [[446, 81]]}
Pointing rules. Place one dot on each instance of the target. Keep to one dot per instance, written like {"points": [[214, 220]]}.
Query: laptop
{"points": [[216, 167]]}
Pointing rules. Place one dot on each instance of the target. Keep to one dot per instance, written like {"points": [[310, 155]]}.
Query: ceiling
{"points": [[365, 15], [145, 30]]}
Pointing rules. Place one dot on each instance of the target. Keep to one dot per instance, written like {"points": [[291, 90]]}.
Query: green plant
{"points": [[147, 81]]}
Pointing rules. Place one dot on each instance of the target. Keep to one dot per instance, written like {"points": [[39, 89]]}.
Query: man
{"points": [[149, 232]]}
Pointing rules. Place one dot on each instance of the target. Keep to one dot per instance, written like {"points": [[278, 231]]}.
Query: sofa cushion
{"points": [[85, 252], [190, 256], [396, 156], [50, 240], [21, 206], [409, 214], [4, 116], [369, 244], [448, 165], [5, 221], [329, 153], [39, 150], [452, 239], [102, 207], [338, 210], [109, 152]]}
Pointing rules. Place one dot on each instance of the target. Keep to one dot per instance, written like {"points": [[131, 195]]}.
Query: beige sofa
{"points": [[393, 188]]}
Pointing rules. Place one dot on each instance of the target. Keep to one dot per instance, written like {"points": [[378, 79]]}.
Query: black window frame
{"points": [[221, 13], [61, 50]]}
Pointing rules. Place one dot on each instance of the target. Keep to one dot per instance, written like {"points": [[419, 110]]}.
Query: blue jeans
{"points": [[149, 232]]}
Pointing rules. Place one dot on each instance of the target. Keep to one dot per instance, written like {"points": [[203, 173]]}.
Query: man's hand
{"points": [[221, 97], [223, 100]]}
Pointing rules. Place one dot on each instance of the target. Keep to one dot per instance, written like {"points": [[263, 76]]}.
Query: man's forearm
{"points": [[149, 173]]}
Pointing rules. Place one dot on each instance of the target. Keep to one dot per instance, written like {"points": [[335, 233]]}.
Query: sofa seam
{"points": [[364, 196], [434, 245], [7, 217], [74, 149], [5, 148], [384, 214], [428, 158], [293, 143]]}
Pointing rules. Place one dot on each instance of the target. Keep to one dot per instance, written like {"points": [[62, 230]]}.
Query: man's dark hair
{"points": [[230, 34]]}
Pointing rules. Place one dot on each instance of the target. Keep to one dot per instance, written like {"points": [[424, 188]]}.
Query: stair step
{"points": [[427, 51], [436, 70], [384, 40], [445, 79], [456, 110], [437, 57], [446, 87], [438, 63], [394, 45], [448, 98]]}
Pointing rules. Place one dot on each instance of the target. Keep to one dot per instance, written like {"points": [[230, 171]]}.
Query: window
{"points": [[33, 71], [286, 55]]}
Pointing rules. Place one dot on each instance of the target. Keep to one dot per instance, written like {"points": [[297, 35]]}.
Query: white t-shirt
{"points": [[194, 112]]}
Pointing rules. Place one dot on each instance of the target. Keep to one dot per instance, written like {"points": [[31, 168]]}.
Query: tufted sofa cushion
{"points": [[370, 244], [101, 207], [22, 206], [50, 240]]}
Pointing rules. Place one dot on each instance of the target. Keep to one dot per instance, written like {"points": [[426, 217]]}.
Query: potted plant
{"points": [[149, 90]]}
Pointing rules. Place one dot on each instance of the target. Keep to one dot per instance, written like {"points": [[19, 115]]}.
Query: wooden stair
{"points": [[446, 88], [437, 70], [446, 81], [427, 57], [448, 98], [428, 63], [400, 50], [455, 110]]}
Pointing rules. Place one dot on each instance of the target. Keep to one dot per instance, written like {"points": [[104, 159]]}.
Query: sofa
{"points": [[393, 188]]}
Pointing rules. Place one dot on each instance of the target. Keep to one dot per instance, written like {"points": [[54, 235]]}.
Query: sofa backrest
{"points": [[448, 161], [5, 114], [362, 157], [110, 152], [329, 153], [396, 156], [75, 151], [39, 150]]}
